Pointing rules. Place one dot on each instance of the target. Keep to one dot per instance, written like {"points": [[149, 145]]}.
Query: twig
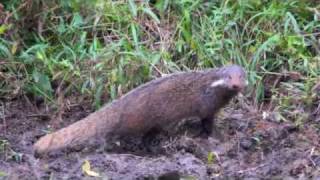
{"points": [[252, 169], [310, 157], [38, 115], [3, 117], [16, 10], [310, 34]]}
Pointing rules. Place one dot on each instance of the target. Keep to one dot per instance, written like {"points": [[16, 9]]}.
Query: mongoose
{"points": [[160, 103]]}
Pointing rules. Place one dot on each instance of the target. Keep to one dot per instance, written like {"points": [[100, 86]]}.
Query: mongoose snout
{"points": [[237, 81], [232, 77]]}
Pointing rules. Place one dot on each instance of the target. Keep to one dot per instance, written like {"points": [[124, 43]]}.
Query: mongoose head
{"points": [[232, 78]]}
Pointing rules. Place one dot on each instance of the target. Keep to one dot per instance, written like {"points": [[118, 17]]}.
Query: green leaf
{"points": [[3, 28], [134, 35], [4, 51], [162, 5], [97, 96], [155, 58], [3, 174], [61, 27], [211, 157], [77, 20], [295, 41], [291, 20], [42, 81], [40, 55], [151, 14], [266, 46], [133, 8], [113, 92]]}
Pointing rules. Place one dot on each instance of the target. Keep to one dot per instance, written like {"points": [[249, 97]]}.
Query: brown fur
{"points": [[159, 103]]}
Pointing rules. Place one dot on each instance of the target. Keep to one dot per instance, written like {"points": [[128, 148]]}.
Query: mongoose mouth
{"points": [[238, 86]]}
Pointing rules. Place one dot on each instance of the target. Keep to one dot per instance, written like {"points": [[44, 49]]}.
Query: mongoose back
{"points": [[160, 103]]}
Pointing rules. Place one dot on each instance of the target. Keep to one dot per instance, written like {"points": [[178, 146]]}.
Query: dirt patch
{"points": [[251, 148]]}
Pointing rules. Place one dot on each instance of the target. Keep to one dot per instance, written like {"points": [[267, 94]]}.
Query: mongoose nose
{"points": [[235, 87]]}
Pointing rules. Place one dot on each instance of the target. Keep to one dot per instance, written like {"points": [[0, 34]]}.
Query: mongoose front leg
{"points": [[151, 140], [209, 128]]}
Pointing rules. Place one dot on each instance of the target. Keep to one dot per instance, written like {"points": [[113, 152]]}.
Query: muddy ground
{"points": [[250, 148]]}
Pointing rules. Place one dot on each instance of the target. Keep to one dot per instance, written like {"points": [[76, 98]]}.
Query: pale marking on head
{"points": [[218, 83]]}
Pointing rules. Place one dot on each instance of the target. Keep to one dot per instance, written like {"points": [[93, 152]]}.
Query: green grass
{"points": [[102, 48]]}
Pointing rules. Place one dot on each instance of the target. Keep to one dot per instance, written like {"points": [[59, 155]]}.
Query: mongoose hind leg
{"points": [[210, 129], [152, 140]]}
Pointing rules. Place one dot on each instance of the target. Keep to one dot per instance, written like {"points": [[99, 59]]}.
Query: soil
{"points": [[249, 147]]}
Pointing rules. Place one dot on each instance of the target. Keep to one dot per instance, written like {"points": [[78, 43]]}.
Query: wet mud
{"points": [[246, 146]]}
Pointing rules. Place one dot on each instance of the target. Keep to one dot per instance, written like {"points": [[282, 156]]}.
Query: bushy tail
{"points": [[96, 124]]}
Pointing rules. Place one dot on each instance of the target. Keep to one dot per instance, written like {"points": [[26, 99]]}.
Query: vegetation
{"points": [[103, 48]]}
